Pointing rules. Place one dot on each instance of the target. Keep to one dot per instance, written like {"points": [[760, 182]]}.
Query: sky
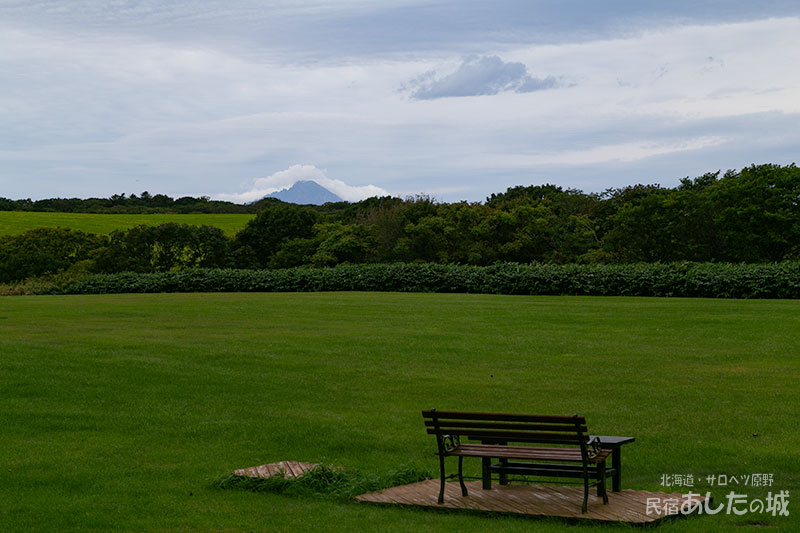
{"points": [[455, 99]]}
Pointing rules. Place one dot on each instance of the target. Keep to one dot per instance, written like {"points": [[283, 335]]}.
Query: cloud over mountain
{"points": [[478, 76], [284, 179]]}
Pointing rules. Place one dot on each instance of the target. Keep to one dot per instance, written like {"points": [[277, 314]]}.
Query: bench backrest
{"points": [[503, 427]]}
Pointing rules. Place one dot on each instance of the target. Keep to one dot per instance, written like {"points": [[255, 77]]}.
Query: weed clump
{"points": [[325, 482]]}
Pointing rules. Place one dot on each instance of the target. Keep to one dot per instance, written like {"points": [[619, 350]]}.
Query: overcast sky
{"points": [[455, 99]]}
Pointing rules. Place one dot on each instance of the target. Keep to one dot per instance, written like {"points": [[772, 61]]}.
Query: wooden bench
{"points": [[550, 446]]}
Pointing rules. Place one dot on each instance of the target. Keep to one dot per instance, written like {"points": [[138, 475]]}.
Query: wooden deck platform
{"points": [[290, 469], [530, 500]]}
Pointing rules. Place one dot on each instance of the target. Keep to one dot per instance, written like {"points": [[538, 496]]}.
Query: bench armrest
{"points": [[593, 447], [448, 443]]}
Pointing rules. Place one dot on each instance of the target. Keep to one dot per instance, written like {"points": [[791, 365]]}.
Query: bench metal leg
{"points": [[585, 487], [601, 484], [461, 476], [486, 464], [585, 494], [503, 474], [441, 486], [616, 464]]}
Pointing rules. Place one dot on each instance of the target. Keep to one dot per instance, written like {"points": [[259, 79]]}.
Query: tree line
{"points": [[750, 216], [133, 204]]}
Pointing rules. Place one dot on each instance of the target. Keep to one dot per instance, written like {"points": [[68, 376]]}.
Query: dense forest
{"points": [[749, 216]]}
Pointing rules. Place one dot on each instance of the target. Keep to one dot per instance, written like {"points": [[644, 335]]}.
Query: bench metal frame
{"points": [[554, 447]]}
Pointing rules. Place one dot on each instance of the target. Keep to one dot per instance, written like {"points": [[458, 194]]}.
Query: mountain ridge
{"points": [[305, 192]]}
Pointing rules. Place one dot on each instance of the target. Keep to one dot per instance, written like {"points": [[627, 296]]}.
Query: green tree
{"points": [[424, 241], [757, 213], [264, 235], [639, 227], [294, 253], [342, 243], [163, 248], [7, 205], [42, 251], [386, 219]]}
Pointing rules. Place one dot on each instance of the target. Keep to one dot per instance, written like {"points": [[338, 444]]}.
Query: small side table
{"points": [[615, 445]]}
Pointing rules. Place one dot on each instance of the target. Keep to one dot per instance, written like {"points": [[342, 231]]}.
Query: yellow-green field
{"points": [[16, 222]]}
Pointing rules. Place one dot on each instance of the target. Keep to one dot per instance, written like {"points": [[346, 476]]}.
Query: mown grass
{"points": [[16, 222], [124, 412]]}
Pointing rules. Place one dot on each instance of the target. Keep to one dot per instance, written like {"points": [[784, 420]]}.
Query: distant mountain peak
{"points": [[305, 192]]}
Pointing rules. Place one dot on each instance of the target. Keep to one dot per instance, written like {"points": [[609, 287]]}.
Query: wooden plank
{"points": [[634, 508], [535, 500], [290, 469]]}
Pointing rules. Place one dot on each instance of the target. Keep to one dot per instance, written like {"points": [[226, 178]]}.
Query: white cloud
{"points": [[624, 153], [478, 76], [286, 178], [85, 107]]}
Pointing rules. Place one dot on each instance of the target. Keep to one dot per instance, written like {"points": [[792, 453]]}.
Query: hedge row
{"points": [[711, 280]]}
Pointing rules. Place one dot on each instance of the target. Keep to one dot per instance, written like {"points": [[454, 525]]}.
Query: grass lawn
{"points": [[119, 412], [16, 222]]}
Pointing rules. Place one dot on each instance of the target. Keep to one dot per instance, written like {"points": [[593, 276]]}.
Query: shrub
{"points": [[710, 280]]}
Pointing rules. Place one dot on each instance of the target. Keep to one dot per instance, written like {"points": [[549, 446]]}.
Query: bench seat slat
{"points": [[444, 424], [562, 438], [505, 417], [530, 453]]}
